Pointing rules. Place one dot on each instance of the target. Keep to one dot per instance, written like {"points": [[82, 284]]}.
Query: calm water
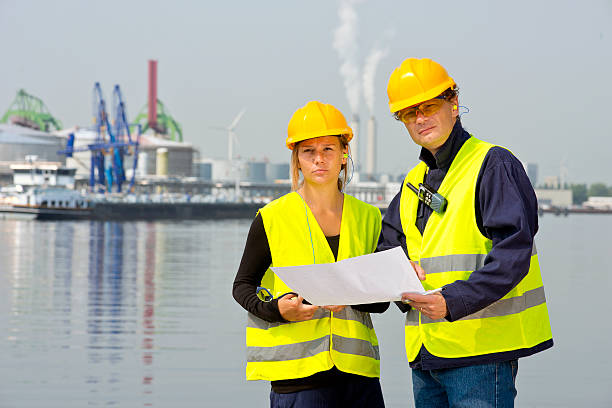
{"points": [[140, 314]]}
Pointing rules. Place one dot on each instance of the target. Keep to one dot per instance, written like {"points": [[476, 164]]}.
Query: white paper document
{"points": [[378, 277]]}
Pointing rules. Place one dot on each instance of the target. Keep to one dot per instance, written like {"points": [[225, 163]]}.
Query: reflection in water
{"points": [[140, 314], [119, 312], [62, 277], [107, 313], [148, 315]]}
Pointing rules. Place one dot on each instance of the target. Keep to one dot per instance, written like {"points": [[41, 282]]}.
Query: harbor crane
{"points": [[113, 142]]}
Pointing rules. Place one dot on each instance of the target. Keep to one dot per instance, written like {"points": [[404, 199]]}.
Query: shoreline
{"points": [[573, 210]]}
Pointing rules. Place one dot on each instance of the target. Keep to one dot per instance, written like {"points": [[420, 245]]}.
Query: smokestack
{"points": [[355, 143], [153, 94], [371, 149]]}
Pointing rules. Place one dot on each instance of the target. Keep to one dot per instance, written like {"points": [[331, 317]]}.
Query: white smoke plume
{"points": [[369, 74], [371, 64], [345, 44]]}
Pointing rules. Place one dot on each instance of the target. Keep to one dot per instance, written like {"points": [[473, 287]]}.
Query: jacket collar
{"points": [[445, 156]]}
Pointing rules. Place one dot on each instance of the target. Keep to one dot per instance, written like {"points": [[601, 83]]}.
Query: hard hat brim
{"points": [[422, 97], [348, 132]]}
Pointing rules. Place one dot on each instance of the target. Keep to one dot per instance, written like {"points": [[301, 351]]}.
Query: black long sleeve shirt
{"points": [[506, 212], [256, 259]]}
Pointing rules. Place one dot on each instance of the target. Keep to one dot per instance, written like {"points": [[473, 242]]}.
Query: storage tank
{"points": [[278, 171], [221, 169], [202, 170], [142, 167], [180, 155], [161, 165], [16, 142], [256, 172]]}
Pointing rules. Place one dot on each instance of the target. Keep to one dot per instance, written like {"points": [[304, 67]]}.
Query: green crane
{"points": [[30, 111], [166, 124]]}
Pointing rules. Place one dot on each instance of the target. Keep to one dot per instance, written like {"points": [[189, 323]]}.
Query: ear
{"points": [[455, 103]]}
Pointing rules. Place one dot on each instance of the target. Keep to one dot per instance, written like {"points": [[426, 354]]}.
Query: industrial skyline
{"points": [[533, 81]]}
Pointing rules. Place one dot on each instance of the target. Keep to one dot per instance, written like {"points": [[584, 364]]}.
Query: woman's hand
{"points": [[292, 309], [334, 308]]}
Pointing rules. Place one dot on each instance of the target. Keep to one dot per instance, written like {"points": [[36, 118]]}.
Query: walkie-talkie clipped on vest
{"points": [[430, 197]]}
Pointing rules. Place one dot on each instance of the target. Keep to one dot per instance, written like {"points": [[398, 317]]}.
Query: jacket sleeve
{"points": [[506, 213], [392, 235], [256, 260]]}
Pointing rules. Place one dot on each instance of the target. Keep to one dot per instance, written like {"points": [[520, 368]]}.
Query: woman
{"points": [[313, 356]]}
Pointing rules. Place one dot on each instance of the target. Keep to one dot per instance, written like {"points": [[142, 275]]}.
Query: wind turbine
{"points": [[231, 138], [231, 135]]}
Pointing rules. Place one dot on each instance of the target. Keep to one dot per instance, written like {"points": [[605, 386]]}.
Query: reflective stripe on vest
{"points": [[285, 352], [502, 307], [312, 347], [277, 351], [451, 248], [459, 262]]}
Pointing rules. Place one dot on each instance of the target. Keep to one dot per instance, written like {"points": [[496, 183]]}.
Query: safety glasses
{"points": [[409, 115]]}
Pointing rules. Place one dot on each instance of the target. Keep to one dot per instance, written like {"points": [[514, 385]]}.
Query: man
{"points": [[471, 235]]}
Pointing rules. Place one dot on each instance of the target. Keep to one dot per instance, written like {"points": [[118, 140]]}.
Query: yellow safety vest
{"points": [[279, 351], [450, 249]]}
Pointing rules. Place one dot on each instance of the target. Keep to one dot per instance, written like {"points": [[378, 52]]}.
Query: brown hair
{"points": [[295, 166]]}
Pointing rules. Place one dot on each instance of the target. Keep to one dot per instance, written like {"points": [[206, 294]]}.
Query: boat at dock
{"points": [[52, 203], [44, 203], [127, 211], [581, 209]]}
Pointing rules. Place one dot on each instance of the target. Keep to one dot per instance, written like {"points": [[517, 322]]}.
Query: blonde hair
{"points": [[296, 182]]}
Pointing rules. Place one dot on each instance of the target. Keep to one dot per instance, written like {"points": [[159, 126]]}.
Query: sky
{"points": [[535, 75]]}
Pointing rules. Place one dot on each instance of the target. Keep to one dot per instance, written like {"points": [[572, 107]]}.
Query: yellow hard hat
{"points": [[416, 81], [316, 119]]}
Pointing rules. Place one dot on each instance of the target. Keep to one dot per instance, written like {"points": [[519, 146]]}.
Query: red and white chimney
{"points": [[153, 94]]}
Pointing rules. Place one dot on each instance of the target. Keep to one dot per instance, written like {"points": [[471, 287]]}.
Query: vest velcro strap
{"points": [[288, 351], [503, 307], [355, 346], [412, 318], [257, 323]]}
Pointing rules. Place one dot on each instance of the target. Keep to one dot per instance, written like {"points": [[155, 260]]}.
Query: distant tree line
{"points": [[582, 192]]}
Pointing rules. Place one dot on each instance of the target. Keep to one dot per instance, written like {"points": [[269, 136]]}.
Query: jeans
{"points": [[362, 392], [477, 386]]}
